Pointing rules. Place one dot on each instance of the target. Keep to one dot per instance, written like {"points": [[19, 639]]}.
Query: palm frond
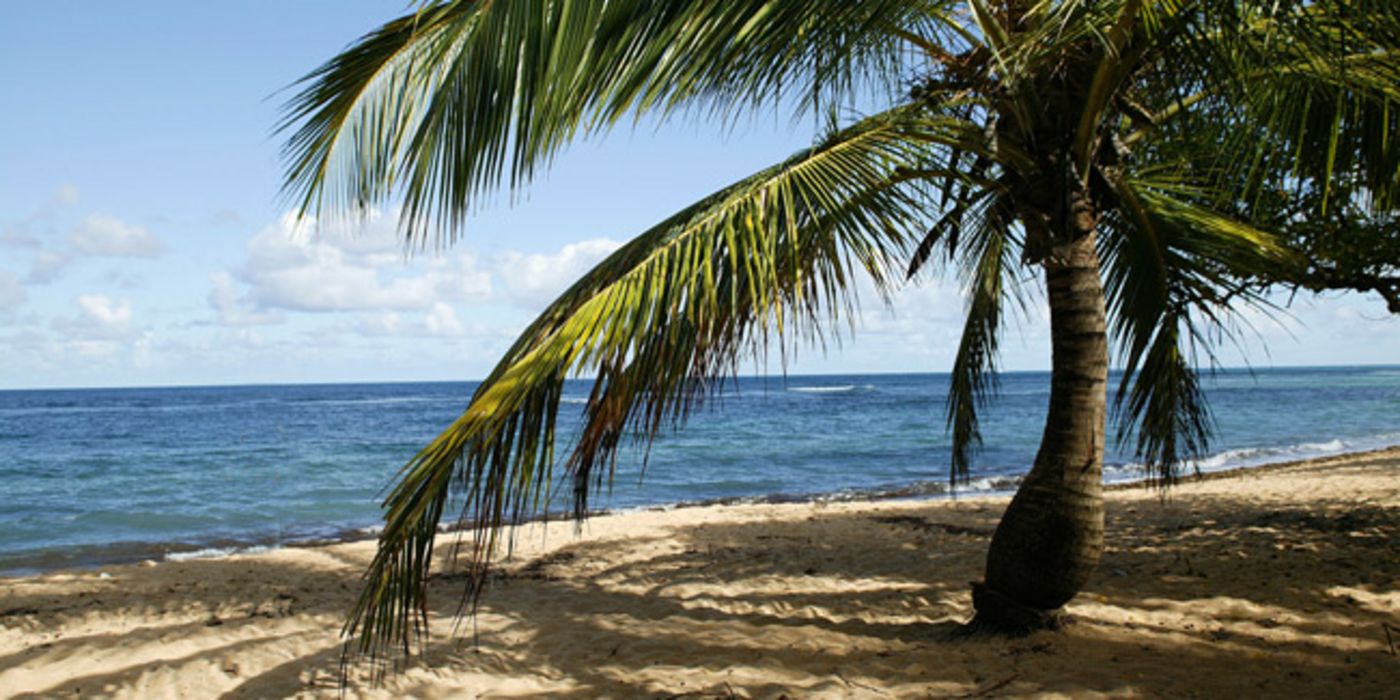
{"points": [[1172, 279], [1305, 91], [988, 264], [1177, 117], [661, 321], [446, 104], [1116, 64]]}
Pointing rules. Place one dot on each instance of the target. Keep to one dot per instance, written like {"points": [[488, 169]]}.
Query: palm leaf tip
{"points": [[657, 325]]}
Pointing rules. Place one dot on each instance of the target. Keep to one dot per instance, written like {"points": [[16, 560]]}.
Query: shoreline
{"points": [[1281, 581], [137, 552], [1233, 472]]}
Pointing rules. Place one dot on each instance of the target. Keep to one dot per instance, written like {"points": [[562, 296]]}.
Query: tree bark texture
{"points": [[1050, 538]]}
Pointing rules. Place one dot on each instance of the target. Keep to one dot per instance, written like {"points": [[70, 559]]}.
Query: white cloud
{"points": [[21, 234], [107, 236], [11, 291], [101, 332], [1316, 329], [338, 269], [106, 313], [442, 320], [535, 280], [380, 325], [234, 310], [142, 350], [99, 318], [104, 351], [24, 351]]}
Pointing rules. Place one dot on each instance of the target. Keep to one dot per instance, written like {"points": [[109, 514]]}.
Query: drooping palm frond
{"points": [[989, 261], [1172, 115], [446, 104], [659, 321], [1172, 272], [1224, 110]]}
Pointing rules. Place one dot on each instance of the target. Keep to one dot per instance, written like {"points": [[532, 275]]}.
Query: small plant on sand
{"points": [[1131, 156]]}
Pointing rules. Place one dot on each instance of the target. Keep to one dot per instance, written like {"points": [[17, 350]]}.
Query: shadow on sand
{"points": [[1208, 596]]}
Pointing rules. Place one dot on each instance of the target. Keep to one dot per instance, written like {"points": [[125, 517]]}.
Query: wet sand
{"points": [[1266, 582]]}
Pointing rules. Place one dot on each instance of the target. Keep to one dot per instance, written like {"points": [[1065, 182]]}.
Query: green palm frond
{"points": [[1172, 274], [1195, 130], [1306, 91], [446, 104], [1328, 92], [1117, 63], [659, 321], [988, 266], [1258, 98]]}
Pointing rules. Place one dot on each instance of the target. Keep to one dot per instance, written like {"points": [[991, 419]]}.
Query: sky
{"points": [[144, 241]]}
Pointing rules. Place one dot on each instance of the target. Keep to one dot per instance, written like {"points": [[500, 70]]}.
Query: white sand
{"points": [[1273, 582]]}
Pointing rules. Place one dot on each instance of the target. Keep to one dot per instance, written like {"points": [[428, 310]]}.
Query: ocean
{"points": [[101, 476]]}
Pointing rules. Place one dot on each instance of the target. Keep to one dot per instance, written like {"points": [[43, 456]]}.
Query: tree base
{"points": [[997, 613]]}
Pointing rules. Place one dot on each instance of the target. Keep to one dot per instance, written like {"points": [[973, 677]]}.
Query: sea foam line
{"points": [[1261, 455], [216, 552], [835, 389]]}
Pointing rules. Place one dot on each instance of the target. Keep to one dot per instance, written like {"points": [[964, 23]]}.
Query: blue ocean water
{"points": [[111, 475]]}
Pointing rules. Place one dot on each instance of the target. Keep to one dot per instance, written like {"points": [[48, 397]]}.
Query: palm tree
{"points": [[1112, 146]]}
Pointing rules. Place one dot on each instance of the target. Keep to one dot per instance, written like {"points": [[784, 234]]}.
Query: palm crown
{"points": [[1129, 149]]}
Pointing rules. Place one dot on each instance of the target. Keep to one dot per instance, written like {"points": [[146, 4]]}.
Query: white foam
{"points": [[1251, 456], [837, 389], [391, 400], [215, 553], [1259, 456], [988, 484]]}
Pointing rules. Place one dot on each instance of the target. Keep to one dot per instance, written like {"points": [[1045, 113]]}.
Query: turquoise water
{"points": [[111, 475]]}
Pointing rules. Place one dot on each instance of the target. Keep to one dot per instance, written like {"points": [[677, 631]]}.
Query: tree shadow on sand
{"points": [[104, 634], [850, 603], [1217, 596]]}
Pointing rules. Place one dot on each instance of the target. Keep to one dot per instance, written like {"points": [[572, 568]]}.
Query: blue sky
{"points": [[143, 242]]}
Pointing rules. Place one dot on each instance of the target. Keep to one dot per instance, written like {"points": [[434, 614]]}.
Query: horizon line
{"points": [[756, 375]]}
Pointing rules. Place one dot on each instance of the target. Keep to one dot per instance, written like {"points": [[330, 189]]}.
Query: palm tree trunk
{"points": [[1050, 538]]}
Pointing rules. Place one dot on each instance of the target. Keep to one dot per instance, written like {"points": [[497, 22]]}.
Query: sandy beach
{"points": [[1280, 581]]}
